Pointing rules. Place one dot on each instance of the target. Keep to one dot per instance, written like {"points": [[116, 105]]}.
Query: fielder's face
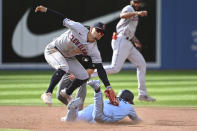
{"points": [[97, 33], [136, 5]]}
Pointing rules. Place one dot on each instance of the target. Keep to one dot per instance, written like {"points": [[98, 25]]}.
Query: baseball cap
{"points": [[100, 26], [136, 0]]}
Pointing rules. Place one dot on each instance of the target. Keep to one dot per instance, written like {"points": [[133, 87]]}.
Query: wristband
{"points": [[108, 87]]}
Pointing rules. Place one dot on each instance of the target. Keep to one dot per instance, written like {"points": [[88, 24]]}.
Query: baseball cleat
{"points": [[146, 98], [95, 84], [74, 104], [63, 119], [65, 95], [47, 98]]}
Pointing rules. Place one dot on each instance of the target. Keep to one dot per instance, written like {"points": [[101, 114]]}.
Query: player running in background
{"points": [[86, 62], [61, 52], [123, 47], [102, 111]]}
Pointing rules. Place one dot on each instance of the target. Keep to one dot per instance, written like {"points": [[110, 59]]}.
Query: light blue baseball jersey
{"points": [[110, 112]]}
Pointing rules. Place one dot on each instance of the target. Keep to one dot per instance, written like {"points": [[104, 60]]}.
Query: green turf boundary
{"points": [[170, 88]]}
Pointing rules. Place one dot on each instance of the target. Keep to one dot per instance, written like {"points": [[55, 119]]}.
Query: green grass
{"points": [[170, 88]]}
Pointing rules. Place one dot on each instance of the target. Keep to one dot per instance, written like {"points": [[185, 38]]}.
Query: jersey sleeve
{"points": [[133, 115], [71, 24], [127, 9], [76, 27]]}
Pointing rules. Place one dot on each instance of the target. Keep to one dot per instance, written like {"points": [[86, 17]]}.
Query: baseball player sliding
{"points": [[61, 52], [102, 111], [123, 47]]}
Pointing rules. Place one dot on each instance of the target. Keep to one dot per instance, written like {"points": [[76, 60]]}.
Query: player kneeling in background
{"points": [[102, 111]]}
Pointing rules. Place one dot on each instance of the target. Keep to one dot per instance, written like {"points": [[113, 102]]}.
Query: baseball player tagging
{"points": [[60, 55]]}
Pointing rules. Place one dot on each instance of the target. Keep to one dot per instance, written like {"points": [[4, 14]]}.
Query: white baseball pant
{"points": [[123, 49]]}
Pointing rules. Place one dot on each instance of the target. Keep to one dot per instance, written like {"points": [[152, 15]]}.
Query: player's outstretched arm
{"points": [[142, 13], [66, 22], [43, 9], [109, 92], [128, 15]]}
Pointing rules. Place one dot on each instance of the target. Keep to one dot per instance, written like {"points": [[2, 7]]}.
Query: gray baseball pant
{"points": [[64, 83]]}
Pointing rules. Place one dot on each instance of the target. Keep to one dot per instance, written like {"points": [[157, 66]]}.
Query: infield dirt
{"points": [[48, 119]]}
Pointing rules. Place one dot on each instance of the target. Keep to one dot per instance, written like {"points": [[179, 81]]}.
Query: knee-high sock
{"points": [[55, 79]]}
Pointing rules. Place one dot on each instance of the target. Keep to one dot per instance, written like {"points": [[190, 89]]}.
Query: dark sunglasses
{"points": [[99, 31]]}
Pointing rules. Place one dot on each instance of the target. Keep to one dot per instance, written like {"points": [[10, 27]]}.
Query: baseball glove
{"points": [[110, 94], [137, 43]]}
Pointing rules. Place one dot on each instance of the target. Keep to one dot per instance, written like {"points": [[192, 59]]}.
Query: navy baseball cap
{"points": [[100, 26]]}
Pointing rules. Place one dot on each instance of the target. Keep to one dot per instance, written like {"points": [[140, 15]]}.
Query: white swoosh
{"points": [[28, 45]]}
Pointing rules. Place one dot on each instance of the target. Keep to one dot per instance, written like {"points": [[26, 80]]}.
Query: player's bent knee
{"points": [[117, 69], [87, 78], [62, 99], [84, 77], [64, 68], [142, 65], [59, 73], [114, 69]]}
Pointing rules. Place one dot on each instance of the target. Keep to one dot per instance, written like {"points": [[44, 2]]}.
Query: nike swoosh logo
{"points": [[28, 45]]}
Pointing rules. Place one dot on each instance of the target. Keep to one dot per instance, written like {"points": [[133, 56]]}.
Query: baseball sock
{"points": [[76, 83], [55, 79]]}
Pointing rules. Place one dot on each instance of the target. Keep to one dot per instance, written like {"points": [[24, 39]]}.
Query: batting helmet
{"points": [[126, 95]]}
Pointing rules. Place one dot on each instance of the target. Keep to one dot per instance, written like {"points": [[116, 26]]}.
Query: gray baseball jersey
{"points": [[61, 51], [127, 27], [74, 42], [123, 49]]}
